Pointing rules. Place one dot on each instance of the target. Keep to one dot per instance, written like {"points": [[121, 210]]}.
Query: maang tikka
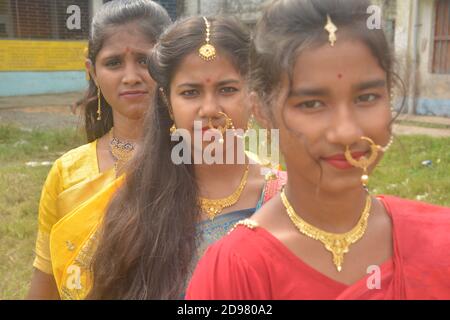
{"points": [[207, 51], [331, 28]]}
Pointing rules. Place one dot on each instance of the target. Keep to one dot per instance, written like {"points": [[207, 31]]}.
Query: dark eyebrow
{"points": [[379, 83], [141, 53], [119, 56], [112, 56], [229, 81], [186, 84], [370, 84], [309, 92], [197, 85]]}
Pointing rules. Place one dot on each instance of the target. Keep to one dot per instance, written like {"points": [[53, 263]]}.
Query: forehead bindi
{"points": [[193, 69], [122, 40], [324, 66]]}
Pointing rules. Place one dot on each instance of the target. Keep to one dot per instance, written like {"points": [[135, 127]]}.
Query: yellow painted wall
{"points": [[30, 55]]}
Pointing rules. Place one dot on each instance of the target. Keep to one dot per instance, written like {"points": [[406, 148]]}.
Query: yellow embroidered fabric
{"points": [[71, 263], [73, 179]]}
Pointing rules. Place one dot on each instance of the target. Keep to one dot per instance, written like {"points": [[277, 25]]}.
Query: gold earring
{"points": [[363, 162], [228, 125], [389, 144], [99, 104], [173, 128]]}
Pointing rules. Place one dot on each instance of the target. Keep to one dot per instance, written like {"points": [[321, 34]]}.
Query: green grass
{"points": [[423, 124], [20, 187], [400, 173]]}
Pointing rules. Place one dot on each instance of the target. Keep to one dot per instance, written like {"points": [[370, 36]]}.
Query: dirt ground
{"points": [[53, 111], [40, 111]]}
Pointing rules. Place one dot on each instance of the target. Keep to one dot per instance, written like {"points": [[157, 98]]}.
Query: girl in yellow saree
{"points": [[120, 90], [73, 241]]}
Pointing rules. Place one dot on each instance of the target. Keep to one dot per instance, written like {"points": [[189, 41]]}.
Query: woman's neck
{"points": [[218, 180], [127, 129], [336, 212]]}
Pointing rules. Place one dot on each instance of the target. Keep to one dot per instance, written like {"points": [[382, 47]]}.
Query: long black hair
{"points": [[148, 238]]}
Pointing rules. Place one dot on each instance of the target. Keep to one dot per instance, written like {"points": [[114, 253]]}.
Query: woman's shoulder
{"points": [[78, 154], [245, 243], [239, 259], [418, 223], [421, 233], [411, 208], [73, 167]]}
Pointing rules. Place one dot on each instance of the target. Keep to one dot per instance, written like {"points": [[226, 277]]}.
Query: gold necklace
{"points": [[337, 243], [212, 207], [121, 151]]}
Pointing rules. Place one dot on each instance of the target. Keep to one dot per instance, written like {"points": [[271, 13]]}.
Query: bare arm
{"points": [[43, 287]]}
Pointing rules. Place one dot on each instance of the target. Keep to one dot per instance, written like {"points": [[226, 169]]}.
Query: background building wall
{"points": [[171, 6], [246, 10], [38, 53], [432, 90]]}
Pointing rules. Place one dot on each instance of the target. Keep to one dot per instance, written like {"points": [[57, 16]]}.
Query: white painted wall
{"points": [[246, 10], [94, 5], [430, 84], [432, 90]]}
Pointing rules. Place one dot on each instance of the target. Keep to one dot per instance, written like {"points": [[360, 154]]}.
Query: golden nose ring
{"points": [[363, 162]]}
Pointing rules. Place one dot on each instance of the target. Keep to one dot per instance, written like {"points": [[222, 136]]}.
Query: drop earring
{"points": [[99, 104], [173, 129]]}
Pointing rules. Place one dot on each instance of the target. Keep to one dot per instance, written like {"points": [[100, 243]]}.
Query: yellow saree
{"points": [[73, 241], [73, 179]]}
